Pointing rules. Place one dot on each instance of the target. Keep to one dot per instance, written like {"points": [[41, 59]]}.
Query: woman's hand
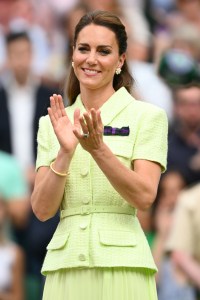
{"points": [[91, 137], [62, 126]]}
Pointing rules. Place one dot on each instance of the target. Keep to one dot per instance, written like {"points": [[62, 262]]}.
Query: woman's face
{"points": [[96, 57]]}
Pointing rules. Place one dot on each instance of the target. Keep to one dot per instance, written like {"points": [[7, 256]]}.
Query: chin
{"points": [[90, 85]]}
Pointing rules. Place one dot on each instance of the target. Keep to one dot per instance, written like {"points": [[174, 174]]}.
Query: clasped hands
{"points": [[87, 128]]}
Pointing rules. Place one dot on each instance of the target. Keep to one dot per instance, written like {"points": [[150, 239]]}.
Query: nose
{"points": [[91, 59]]}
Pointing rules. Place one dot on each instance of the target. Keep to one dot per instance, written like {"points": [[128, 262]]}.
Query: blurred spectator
{"points": [[139, 4], [184, 134], [11, 262], [146, 222], [4, 12], [171, 184], [5, 6], [158, 12], [21, 17], [43, 27], [187, 12], [47, 17], [187, 38], [23, 101], [13, 189], [149, 85], [184, 242], [169, 287], [57, 6]]}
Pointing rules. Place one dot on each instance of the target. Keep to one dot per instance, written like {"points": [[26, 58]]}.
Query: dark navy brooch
{"points": [[123, 131]]}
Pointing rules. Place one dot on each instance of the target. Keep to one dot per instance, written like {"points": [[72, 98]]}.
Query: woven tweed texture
{"points": [[104, 239]]}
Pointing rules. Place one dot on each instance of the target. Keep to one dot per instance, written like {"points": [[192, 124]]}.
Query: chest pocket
{"points": [[117, 238], [120, 147]]}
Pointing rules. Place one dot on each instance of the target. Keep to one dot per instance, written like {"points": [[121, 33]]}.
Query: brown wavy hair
{"points": [[112, 22]]}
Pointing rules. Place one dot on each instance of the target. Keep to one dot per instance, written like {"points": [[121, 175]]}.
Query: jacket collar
{"points": [[112, 107]]}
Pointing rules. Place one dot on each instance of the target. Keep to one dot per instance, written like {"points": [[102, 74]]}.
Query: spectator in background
{"points": [[11, 261], [5, 7], [149, 85], [156, 222], [183, 243], [171, 184], [58, 6], [14, 189], [187, 12], [187, 39], [42, 24], [23, 101], [184, 134], [49, 19], [22, 17]]}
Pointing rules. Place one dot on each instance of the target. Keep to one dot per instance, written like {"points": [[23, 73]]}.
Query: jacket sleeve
{"points": [[43, 143], [152, 136]]}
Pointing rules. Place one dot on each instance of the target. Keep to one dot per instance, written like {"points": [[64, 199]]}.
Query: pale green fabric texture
{"points": [[100, 284], [104, 239]]}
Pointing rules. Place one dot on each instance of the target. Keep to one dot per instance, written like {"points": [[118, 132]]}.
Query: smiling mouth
{"points": [[90, 72]]}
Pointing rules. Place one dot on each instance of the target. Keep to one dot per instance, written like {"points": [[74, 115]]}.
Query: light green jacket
{"points": [[105, 238]]}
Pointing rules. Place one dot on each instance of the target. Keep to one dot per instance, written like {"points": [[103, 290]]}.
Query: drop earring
{"points": [[118, 71], [72, 64]]}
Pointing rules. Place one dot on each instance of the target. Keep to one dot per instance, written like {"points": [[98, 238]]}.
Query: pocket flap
{"points": [[117, 238], [58, 241]]}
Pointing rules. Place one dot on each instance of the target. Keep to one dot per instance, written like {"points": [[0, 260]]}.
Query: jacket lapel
{"points": [[117, 102]]}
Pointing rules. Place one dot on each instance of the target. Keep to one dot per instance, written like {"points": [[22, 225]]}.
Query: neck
{"points": [[95, 98], [21, 79]]}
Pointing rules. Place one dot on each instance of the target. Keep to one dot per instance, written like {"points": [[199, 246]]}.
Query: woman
{"points": [[98, 161]]}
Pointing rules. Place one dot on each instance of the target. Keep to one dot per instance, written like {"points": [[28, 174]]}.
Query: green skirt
{"points": [[100, 284]]}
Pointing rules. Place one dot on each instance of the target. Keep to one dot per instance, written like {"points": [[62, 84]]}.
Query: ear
{"points": [[121, 60]]}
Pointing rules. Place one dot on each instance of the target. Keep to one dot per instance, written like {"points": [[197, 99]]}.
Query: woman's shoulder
{"points": [[144, 111], [44, 122], [144, 106], [44, 119]]}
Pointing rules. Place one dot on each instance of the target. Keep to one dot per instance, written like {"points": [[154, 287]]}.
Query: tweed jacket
{"points": [[98, 228]]}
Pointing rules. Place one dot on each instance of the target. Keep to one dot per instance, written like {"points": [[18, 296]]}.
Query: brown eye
{"points": [[82, 49], [104, 52]]}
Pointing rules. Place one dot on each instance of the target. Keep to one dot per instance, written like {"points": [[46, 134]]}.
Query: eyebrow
{"points": [[102, 46]]}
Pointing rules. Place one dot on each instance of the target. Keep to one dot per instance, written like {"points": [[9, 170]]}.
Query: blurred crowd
{"points": [[163, 56]]}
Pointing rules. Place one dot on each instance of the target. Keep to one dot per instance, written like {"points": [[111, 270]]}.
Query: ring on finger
{"points": [[85, 135]]}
